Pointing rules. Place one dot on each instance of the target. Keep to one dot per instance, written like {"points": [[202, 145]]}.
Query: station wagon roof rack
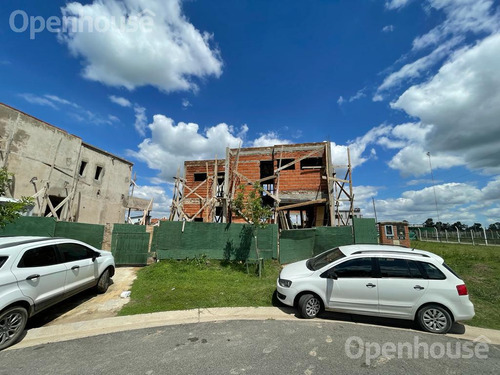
{"points": [[23, 242], [390, 252]]}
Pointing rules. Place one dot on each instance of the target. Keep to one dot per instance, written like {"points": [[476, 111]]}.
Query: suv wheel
{"points": [[12, 324], [104, 282], [309, 306], [435, 319]]}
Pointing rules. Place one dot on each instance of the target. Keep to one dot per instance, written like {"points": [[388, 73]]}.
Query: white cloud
{"points": [[269, 139], [186, 103], [141, 121], [358, 147], [388, 29], [171, 144], [463, 19], [462, 16], [168, 53], [462, 104], [161, 201], [360, 94], [77, 112], [40, 100], [417, 68], [120, 101], [396, 4]]}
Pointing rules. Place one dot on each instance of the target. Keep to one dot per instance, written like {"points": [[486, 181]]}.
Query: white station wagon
{"points": [[37, 272], [378, 280]]}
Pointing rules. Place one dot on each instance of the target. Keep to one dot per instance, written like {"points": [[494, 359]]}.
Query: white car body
{"points": [[38, 272], [375, 294]]}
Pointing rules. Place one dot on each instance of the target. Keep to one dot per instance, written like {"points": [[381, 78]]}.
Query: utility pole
{"points": [[374, 210], [433, 186]]}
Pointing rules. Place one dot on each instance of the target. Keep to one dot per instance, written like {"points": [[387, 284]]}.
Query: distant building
{"points": [[69, 179]]}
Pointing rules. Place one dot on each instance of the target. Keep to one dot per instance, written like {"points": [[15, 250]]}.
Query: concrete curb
{"points": [[71, 331]]}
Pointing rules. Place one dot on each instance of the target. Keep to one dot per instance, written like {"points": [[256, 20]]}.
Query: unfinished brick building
{"points": [[299, 183]]}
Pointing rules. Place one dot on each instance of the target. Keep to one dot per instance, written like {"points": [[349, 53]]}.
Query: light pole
{"points": [[433, 186]]}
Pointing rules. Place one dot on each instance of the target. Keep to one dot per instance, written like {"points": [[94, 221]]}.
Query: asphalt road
{"points": [[257, 347]]}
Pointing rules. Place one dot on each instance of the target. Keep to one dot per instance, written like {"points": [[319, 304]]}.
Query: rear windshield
{"points": [[321, 260], [2, 261], [449, 269]]}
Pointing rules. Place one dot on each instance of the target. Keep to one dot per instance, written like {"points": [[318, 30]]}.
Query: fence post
{"points": [[485, 238], [437, 234], [446, 234], [419, 234], [472, 236], [458, 234]]}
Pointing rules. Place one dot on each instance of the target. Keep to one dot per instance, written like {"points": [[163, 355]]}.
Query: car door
{"points": [[354, 287], [41, 275], [80, 264], [400, 287]]}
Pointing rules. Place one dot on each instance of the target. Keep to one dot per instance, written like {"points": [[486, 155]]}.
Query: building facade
{"points": [[68, 178], [299, 183]]}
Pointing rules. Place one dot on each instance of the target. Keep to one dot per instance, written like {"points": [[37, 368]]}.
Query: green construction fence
{"points": [[50, 227], [181, 240]]}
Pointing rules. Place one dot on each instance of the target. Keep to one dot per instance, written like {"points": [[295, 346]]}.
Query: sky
{"points": [[411, 87]]}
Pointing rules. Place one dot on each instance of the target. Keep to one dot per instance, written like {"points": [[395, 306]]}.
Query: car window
{"points": [[354, 268], [39, 257], [2, 261], [73, 251], [325, 258], [432, 271], [392, 267], [414, 270]]}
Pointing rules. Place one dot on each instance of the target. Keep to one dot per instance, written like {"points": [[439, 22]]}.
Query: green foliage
{"points": [[250, 207], [10, 211]]}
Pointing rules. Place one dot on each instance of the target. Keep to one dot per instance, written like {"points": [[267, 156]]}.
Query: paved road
{"points": [[253, 347]]}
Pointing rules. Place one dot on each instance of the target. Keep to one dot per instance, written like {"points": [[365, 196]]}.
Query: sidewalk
{"points": [[76, 330]]}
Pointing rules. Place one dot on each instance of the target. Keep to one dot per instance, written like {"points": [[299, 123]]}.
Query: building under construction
{"points": [[299, 183]]}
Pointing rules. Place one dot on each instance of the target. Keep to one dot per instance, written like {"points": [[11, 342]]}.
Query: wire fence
{"points": [[474, 237]]}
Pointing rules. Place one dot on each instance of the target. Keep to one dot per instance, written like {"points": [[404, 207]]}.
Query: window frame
{"points": [[372, 274]]}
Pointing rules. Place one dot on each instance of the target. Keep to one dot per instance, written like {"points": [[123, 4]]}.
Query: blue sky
{"points": [[163, 81]]}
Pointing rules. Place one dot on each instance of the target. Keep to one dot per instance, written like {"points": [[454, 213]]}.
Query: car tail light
{"points": [[462, 290]]}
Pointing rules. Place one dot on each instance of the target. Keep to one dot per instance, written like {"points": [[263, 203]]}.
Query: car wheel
{"points": [[309, 306], [12, 324], [104, 282], [435, 319]]}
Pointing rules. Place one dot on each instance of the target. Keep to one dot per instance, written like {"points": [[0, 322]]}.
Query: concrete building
{"points": [[298, 181], [68, 178]]}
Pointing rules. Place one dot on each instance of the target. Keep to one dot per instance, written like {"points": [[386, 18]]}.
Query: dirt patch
{"points": [[89, 305]]}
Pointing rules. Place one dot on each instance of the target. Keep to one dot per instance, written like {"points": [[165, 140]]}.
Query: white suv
{"points": [[37, 272], [378, 280]]}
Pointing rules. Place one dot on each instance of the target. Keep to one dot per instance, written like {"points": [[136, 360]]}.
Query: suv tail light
{"points": [[462, 290]]}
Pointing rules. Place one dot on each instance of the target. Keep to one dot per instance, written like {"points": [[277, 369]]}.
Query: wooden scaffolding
{"points": [[221, 186]]}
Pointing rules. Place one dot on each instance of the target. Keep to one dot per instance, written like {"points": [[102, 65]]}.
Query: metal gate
{"points": [[130, 244]]}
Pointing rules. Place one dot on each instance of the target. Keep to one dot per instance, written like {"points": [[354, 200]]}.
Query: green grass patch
{"points": [[479, 267], [181, 285]]}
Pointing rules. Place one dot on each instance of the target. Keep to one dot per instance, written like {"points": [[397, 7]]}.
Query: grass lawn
{"points": [[188, 284], [180, 285], [479, 267]]}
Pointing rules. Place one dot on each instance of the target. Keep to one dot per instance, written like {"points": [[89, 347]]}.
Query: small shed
{"points": [[394, 233]]}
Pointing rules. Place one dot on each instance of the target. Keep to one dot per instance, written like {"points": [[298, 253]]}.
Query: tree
{"points": [[251, 208], [494, 226], [477, 227], [429, 223], [458, 225], [10, 211]]}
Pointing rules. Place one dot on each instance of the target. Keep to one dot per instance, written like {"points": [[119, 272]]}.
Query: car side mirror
{"points": [[95, 256], [330, 274]]}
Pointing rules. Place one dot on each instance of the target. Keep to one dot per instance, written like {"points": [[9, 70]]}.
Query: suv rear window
{"points": [[432, 271], [2, 261]]}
